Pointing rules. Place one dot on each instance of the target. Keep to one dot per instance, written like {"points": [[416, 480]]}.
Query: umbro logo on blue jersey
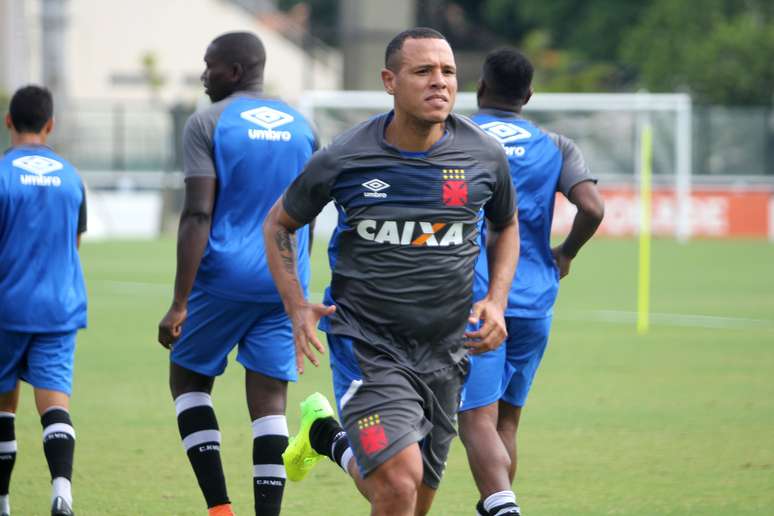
{"points": [[376, 186], [269, 119], [505, 132], [39, 166]]}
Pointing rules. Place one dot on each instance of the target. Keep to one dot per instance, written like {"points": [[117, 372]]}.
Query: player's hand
{"points": [[562, 261], [171, 325], [492, 333], [305, 319]]}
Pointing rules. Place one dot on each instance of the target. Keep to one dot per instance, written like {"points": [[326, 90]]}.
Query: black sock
{"points": [[7, 450], [58, 442], [270, 438], [201, 439], [507, 509], [328, 438]]}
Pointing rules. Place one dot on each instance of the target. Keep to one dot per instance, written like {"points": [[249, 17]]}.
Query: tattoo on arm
{"points": [[286, 244]]}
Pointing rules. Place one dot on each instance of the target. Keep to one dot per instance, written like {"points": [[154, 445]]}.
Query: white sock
{"points": [[60, 486], [345, 458], [5, 505], [499, 499]]}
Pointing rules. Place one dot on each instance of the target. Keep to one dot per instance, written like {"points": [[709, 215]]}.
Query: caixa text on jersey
{"points": [[409, 232]]}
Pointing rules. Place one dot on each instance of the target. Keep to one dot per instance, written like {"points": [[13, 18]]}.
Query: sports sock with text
{"points": [[201, 440], [7, 456], [59, 448], [328, 438], [270, 438]]}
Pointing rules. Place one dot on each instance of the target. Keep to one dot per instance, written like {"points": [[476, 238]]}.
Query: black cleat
{"points": [[60, 507]]}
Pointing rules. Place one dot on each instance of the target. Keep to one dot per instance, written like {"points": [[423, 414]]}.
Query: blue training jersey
{"points": [[541, 164], [41, 282], [254, 147]]}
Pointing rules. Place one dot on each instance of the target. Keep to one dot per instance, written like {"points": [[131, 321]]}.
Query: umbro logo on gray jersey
{"points": [[269, 119], [376, 186], [39, 166]]}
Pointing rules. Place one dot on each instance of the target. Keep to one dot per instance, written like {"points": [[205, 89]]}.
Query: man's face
{"points": [[218, 78], [425, 85]]}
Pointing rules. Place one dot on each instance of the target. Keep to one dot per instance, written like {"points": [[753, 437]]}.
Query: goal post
{"points": [[607, 127]]}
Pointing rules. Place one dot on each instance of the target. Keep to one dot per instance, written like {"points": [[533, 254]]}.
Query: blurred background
{"points": [[676, 421], [126, 77]]}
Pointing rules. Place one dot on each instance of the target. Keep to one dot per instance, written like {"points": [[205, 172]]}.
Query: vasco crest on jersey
{"points": [[454, 189]]}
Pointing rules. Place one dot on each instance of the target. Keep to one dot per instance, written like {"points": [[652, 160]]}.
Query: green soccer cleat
{"points": [[300, 457]]}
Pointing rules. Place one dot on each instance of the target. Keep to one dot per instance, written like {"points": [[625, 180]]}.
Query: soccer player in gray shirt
{"points": [[410, 187]]}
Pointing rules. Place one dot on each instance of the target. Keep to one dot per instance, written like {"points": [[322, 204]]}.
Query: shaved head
{"points": [[234, 62], [240, 47]]}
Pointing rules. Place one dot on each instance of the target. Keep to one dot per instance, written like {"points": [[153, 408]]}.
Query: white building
{"points": [[106, 47]]}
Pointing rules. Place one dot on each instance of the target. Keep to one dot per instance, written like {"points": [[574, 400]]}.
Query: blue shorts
{"points": [[44, 360], [507, 372], [344, 367], [215, 325]]}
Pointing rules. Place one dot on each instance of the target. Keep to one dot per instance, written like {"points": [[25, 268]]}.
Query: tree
{"points": [[719, 50]]}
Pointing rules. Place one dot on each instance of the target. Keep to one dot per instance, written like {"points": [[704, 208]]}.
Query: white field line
{"points": [[669, 319], [607, 316], [139, 286]]}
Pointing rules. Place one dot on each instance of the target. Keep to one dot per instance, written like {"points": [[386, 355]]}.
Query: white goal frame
{"points": [[640, 103]]}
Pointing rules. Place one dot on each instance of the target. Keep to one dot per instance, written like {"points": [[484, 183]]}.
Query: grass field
{"points": [[678, 422]]}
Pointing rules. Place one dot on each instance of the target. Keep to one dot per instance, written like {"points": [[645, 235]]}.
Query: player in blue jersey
{"points": [[42, 293], [541, 164], [239, 156]]}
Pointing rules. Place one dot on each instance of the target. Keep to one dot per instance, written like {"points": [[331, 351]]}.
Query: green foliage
{"points": [[323, 17], [565, 71], [150, 67], [721, 53]]}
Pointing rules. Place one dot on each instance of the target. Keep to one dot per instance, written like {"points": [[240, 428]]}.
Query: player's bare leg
{"points": [[393, 487], [182, 380], [425, 498], [489, 459], [9, 401], [508, 426], [425, 493], [266, 402]]}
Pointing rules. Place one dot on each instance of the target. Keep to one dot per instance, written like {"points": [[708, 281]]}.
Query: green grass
{"points": [[678, 422]]}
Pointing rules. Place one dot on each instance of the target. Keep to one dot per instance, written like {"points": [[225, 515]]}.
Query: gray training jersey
{"points": [[403, 252]]}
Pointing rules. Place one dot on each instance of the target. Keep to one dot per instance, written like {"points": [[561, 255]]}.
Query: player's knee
{"points": [[396, 488], [397, 483], [474, 425]]}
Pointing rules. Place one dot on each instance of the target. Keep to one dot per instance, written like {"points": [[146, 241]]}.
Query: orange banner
{"points": [[713, 213]]}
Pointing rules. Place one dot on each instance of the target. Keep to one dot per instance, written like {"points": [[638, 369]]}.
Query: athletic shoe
{"points": [[300, 457], [60, 507], [480, 511], [220, 510]]}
